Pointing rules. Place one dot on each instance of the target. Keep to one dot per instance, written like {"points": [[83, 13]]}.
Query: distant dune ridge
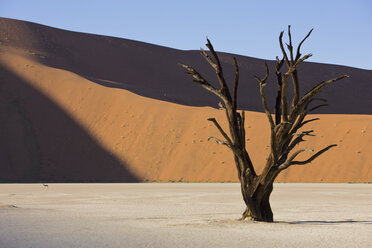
{"points": [[79, 107]]}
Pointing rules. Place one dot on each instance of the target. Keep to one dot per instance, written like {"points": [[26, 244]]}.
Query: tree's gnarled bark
{"points": [[284, 136]]}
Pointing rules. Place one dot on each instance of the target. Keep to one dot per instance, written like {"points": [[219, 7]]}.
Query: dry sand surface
{"points": [[181, 215]]}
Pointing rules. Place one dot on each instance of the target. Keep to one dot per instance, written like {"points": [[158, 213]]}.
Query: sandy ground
{"points": [[181, 215]]}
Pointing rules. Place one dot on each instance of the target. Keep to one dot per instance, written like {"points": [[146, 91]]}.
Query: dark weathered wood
{"points": [[218, 141], [285, 135], [263, 96], [309, 160], [236, 83], [298, 54], [278, 100], [228, 140]]}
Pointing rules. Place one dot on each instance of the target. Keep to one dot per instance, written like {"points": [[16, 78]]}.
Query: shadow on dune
{"points": [[41, 143], [325, 222], [152, 71]]}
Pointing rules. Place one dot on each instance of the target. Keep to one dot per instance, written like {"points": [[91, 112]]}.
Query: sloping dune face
{"points": [[79, 107]]}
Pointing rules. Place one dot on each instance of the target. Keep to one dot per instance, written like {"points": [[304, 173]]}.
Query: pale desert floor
{"points": [[181, 215]]}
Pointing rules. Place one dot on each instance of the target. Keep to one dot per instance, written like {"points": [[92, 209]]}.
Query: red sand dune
{"points": [[81, 107]]}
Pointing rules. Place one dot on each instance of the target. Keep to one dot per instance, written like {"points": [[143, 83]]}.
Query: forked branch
{"points": [[298, 55], [288, 162], [311, 93], [202, 82], [263, 96], [309, 160], [229, 142], [218, 70], [291, 161], [302, 123]]}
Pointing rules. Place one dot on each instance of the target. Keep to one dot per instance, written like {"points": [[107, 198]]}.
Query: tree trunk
{"points": [[258, 203]]}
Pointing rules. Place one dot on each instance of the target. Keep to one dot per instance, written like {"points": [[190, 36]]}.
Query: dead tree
{"points": [[284, 127]]}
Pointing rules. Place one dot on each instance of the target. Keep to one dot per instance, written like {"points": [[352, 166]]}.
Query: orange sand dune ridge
{"points": [[152, 140]]}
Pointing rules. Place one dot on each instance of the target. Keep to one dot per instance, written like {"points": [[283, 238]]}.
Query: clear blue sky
{"points": [[342, 29]]}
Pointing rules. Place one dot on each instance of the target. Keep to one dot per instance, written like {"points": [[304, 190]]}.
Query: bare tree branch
{"points": [[294, 143], [267, 111], [263, 96], [296, 88], [307, 97], [221, 131], [202, 82], [302, 123], [293, 71], [290, 47], [236, 82], [219, 71], [298, 139], [222, 106], [302, 59], [218, 141], [304, 113], [288, 163], [317, 88], [284, 97], [292, 68], [305, 106], [278, 74], [316, 107], [313, 157], [282, 48], [242, 128], [207, 58], [298, 55]]}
